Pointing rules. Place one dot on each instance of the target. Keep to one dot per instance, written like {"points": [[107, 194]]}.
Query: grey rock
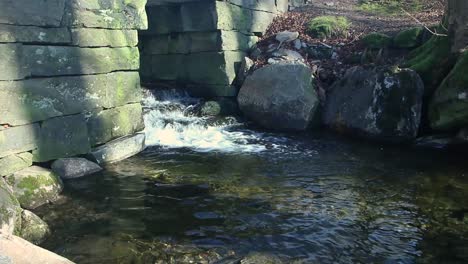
{"points": [[14, 163], [286, 36], [119, 149], [13, 66], [297, 44], [244, 70], [62, 137], [33, 228], [71, 168], [96, 37], [10, 210], [377, 103], [35, 186], [5, 260], [288, 55], [31, 34], [47, 13], [280, 96]]}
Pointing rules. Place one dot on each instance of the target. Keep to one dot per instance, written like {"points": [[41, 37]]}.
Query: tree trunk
{"points": [[457, 14]]}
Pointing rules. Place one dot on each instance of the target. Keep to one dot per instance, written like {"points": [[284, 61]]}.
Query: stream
{"points": [[212, 190]]}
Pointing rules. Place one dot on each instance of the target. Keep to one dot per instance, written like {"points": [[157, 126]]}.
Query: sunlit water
{"points": [[212, 191]]}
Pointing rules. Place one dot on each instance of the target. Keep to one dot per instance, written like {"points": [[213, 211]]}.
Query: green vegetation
{"points": [[377, 40], [390, 7], [328, 26], [409, 38]]}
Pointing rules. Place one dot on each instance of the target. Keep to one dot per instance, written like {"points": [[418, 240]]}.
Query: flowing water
{"points": [[210, 190]]}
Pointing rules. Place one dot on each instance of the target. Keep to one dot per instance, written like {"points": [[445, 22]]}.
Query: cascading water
{"points": [[171, 122]]}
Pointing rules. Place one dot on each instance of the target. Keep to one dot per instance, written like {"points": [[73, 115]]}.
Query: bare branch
{"points": [[422, 24]]}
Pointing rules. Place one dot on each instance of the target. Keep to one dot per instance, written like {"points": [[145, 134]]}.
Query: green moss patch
{"points": [[377, 40], [328, 26], [409, 38]]}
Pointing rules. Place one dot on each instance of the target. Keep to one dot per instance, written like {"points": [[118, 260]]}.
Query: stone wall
{"points": [[69, 77], [200, 44]]}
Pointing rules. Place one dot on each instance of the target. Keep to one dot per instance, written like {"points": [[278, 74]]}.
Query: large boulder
{"points": [[18, 250], [71, 168], [33, 228], [448, 109], [377, 103], [280, 96], [10, 210], [35, 186]]}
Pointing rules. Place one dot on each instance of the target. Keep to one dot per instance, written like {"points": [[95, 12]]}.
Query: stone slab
{"points": [[94, 37], [13, 65], [13, 163], [24, 102], [109, 124], [59, 60], [62, 137], [119, 149], [31, 34], [33, 13], [18, 139]]}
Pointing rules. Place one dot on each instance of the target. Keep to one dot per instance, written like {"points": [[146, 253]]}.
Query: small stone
{"points": [[286, 36], [71, 168], [119, 149], [34, 229], [297, 44]]}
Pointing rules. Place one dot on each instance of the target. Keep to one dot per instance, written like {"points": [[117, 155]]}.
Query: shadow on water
{"points": [[341, 203]]}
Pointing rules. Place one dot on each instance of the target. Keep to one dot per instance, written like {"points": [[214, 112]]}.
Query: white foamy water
{"points": [[170, 123]]}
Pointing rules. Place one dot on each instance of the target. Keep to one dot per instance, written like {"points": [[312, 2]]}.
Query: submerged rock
{"points": [[10, 210], [280, 96], [21, 251], [34, 229], [259, 257], [70, 168], [377, 103], [35, 186], [119, 149]]}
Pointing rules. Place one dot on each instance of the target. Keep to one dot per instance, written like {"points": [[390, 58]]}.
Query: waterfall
{"points": [[171, 121]]}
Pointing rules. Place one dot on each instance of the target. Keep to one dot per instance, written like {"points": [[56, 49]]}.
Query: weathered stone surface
{"points": [[62, 137], [218, 68], [169, 67], [26, 138], [23, 102], [94, 37], [13, 163], [232, 17], [56, 60], [31, 34], [71, 168], [109, 124], [13, 66], [10, 211], [280, 96], [119, 14], [33, 228], [211, 90], [377, 103], [198, 16], [262, 5], [35, 186], [35, 13], [448, 109], [24, 252], [119, 149], [164, 19]]}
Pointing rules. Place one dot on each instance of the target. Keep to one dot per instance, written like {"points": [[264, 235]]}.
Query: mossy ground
{"points": [[328, 26], [377, 40], [390, 7]]}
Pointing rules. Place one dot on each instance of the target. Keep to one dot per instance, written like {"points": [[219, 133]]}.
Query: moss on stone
{"points": [[449, 106], [432, 61], [328, 26], [409, 38], [377, 40], [34, 229]]}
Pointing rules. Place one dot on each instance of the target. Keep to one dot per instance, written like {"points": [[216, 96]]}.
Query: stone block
{"points": [[164, 19], [119, 149], [13, 163], [109, 124], [13, 65], [93, 37], [47, 13], [232, 17], [18, 139], [158, 44], [72, 168], [31, 34], [210, 90], [218, 68], [261, 21], [10, 211], [62, 137], [198, 16], [35, 186], [168, 67], [27, 101], [57, 60], [262, 5], [110, 14]]}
